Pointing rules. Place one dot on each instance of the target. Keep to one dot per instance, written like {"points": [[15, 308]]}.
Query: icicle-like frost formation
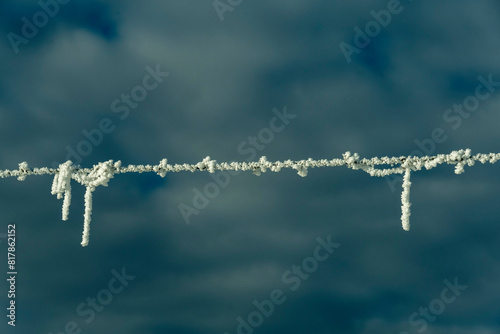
{"points": [[86, 217], [62, 185], [101, 173], [98, 176], [405, 201]]}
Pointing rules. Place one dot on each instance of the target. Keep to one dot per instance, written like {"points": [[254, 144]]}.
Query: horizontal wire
{"points": [[100, 174]]}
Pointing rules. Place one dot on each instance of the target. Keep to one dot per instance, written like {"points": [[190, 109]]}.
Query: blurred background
{"points": [[202, 253]]}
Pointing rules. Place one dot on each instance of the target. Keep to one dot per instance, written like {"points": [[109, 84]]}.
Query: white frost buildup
{"points": [[101, 173], [405, 200], [62, 185], [301, 170], [162, 168], [23, 166]]}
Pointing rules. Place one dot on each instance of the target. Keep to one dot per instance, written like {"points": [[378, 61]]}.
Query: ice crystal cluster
{"points": [[101, 173]]}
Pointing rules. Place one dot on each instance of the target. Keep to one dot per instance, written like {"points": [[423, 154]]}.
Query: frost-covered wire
{"points": [[100, 174]]}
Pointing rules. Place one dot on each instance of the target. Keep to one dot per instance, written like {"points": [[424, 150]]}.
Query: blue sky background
{"points": [[226, 77]]}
